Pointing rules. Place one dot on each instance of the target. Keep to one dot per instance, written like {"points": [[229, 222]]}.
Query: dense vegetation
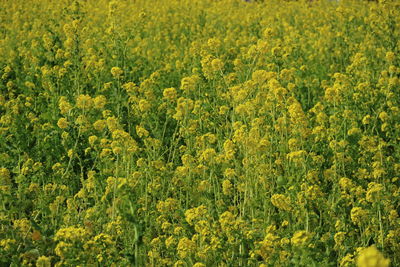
{"points": [[199, 133]]}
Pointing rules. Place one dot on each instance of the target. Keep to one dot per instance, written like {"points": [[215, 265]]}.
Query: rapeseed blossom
{"points": [[199, 133]]}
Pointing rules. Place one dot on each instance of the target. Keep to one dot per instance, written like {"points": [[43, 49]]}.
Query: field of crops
{"points": [[199, 133]]}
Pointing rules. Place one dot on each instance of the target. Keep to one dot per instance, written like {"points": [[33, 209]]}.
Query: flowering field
{"points": [[199, 133]]}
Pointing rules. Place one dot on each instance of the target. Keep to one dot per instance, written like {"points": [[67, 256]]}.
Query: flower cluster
{"points": [[199, 133]]}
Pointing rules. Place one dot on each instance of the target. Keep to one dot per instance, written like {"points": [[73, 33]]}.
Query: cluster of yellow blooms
{"points": [[200, 133]]}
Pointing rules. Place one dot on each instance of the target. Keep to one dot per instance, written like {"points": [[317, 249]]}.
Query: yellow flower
{"points": [[71, 234], [208, 155], [366, 120], [390, 56], [373, 192], [170, 93], [214, 43], [371, 257], [62, 123], [393, 215], [99, 125], [347, 260], [116, 72], [217, 64], [188, 84], [43, 261], [92, 139], [5, 176], [112, 124], [358, 215], [354, 131], [64, 105], [84, 102], [229, 149], [300, 238], [186, 247], [383, 116], [180, 263], [195, 214], [170, 241], [167, 206], [296, 156], [227, 187], [281, 202], [260, 76], [223, 110], [62, 249], [99, 102], [7, 244], [144, 105], [339, 238], [141, 131], [227, 221], [23, 225], [229, 172]]}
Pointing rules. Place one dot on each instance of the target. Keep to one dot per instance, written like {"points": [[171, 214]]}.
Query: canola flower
{"points": [[371, 257], [199, 133]]}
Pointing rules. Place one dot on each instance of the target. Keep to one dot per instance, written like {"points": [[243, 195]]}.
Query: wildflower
{"points": [[188, 84], [229, 172], [64, 106], [141, 131], [208, 154], [99, 125], [339, 238], [144, 105], [373, 192], [130, 88], [99, 102], [62, 249], [71, 234], [170, 93], [223, 110], [227, 187], [179, 263], [5, 176], [167, 206], [214, 43], [227, 221], [390, 56], [23, 225], [296, 156], [217, 64], [358, 215], [229, 149], [281, 202], [84, 102], [195, 214], [260, 76], [92, 139], [43, 261], [7, 244], [371, 257], [383, 116], [393, 215], [62, 123], [366, 120], [300, 238], [116, 72], [347, 260], [112, 124], [185, 247], [354, 131]]}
